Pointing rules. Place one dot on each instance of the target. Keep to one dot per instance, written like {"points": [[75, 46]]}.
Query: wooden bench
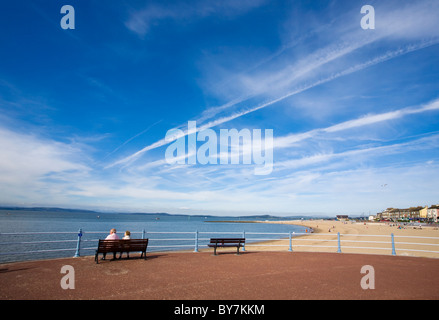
{"points": [[226, 242], [114, 246]]}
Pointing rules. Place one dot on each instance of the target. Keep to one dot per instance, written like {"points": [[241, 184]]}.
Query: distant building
{"points": [[423, 213], [432, 213], [412, 213], [342, 217], [389, 214]]}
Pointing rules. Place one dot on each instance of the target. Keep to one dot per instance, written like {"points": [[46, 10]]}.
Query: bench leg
{"points": [[237, 250], [214, 251], [121, 254]]}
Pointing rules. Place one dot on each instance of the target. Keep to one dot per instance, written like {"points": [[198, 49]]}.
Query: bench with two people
{"points": [[112, 244], [120, 246]]}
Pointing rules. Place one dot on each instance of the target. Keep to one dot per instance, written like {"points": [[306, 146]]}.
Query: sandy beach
{"points": [[356, 237]]}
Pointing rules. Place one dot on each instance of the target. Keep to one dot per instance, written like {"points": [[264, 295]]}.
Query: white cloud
{"points": [[141, 21], [408, 20], [31, 167], [360, 154], [292, 139]]}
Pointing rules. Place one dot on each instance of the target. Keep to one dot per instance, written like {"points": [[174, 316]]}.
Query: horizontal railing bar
{"points": [[264, 239], [168, 232], [175, 245], [384, 236], [349, 241], [264, 245], [437, 238], [314, 234], [365, 235], [420, 243], [417, 250], [185, 239], [220, 232], [104, 232], [37, 251], [279, 233], [301, 239], [29, 233], [400, 249], [310, 245], [32, 242], [379, 248]]}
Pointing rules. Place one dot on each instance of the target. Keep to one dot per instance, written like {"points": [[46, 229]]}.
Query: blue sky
{"points": [[354, 112]]}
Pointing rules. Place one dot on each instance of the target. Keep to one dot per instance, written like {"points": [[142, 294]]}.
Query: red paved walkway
{"points": [[249, 276]]}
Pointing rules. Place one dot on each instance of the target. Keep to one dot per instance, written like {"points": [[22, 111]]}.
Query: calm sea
{"points": [[48, 234]]}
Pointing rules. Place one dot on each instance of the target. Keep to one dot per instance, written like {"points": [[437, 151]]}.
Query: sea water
{"points": [[30, 235]]}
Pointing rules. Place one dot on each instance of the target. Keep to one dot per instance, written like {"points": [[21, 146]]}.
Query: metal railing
{"points": [[390, 241], [196, 240]]}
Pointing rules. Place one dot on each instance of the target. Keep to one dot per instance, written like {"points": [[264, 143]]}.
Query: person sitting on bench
{"points": [[111, 236]]}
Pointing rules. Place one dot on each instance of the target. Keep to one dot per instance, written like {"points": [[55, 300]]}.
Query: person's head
{"points": [[127, 233], [112, 231]]}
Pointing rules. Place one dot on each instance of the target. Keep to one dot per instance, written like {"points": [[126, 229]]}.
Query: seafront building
{"points": [[420, 213], [433, 212]]}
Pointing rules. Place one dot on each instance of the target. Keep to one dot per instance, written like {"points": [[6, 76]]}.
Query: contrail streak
{"points": [[387, 56]]}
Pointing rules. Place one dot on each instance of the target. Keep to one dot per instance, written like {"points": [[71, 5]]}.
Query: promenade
{"points": [[253, 275]]}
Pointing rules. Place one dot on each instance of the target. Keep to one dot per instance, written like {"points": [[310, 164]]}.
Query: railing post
{"points": [[196, 241], [143, 233], [291, 244], [393, 245], [339, 245], [243, 235], [78, 244]]}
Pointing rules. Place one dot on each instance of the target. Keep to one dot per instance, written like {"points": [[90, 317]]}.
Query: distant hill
{"points": [[67, 210], [50, 209]]}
